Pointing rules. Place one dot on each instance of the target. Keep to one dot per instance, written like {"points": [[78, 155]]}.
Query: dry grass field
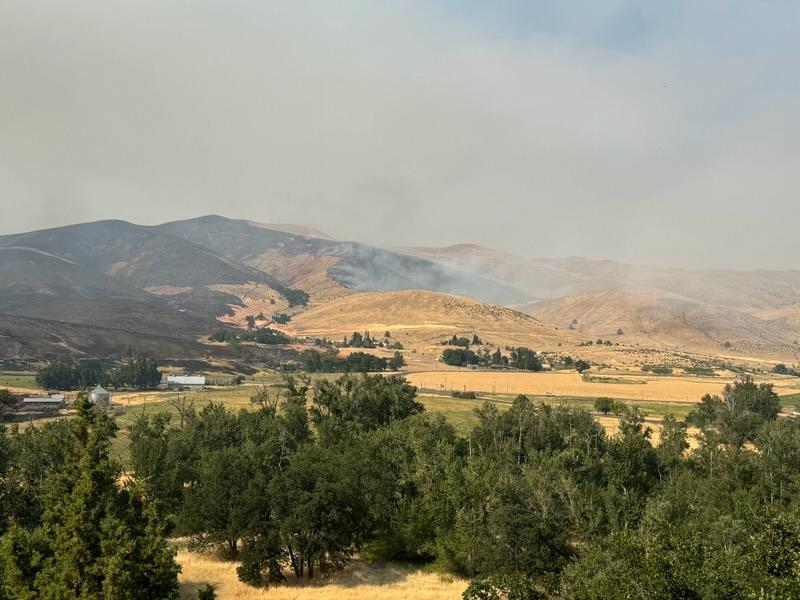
{"points": [[421, 320], [358, 582], [641, 387]]}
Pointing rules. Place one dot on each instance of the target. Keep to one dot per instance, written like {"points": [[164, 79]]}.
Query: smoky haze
{"points": [[609, 129]]}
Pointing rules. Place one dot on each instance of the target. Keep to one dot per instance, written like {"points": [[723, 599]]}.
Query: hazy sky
{"points": [[662, 132]]}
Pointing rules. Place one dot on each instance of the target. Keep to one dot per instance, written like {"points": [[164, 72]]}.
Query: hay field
{"points": [[360, 581], [656, 389]]}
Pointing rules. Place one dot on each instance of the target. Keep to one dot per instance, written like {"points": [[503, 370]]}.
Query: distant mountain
{"points": [[328, 268], [125, 277], [548, 278], [754, 311], [180, 279]]}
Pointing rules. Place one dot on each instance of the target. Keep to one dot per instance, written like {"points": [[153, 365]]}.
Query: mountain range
{"points": [[91, 288]]}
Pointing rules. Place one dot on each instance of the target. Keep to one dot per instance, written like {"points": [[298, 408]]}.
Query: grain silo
{"points": [[101, 398]]}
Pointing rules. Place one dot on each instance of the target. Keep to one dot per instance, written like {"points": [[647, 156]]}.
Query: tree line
{"points": [[313, 361], [522, 358], [262, 335], [139, 373]]}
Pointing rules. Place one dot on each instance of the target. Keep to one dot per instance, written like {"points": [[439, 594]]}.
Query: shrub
{"points": [[514, 586], [208, 592]]}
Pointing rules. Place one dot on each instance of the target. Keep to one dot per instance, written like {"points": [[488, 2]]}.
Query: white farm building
{"points": [[177, 382]]}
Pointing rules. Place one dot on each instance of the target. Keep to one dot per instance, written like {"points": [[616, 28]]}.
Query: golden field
{"points": [[358, 582], [641, 387]]}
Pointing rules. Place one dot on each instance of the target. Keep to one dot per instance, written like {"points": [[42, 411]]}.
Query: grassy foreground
{"points": [[360, 581]]}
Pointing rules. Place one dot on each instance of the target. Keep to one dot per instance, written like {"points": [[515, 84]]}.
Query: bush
{"points": [[514, 586], [209, 592], [464, 395], [657, 369], [707, 371]]}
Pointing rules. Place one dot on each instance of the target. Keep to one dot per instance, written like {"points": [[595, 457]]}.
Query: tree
{"points": [[397, 362], [582, 365], [251, 322], [184, 406], [739, 413], [620, 332], [221, 503], [320, 508], [525, 359], [351, 404], [7, 401], [604, 405], [459, 357], [96, 540]]}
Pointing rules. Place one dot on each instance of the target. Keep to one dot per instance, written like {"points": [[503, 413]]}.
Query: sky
{"points": [[651, 132]]}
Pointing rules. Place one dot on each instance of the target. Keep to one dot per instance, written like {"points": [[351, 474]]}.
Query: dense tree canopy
{"points": [[533, 501]]}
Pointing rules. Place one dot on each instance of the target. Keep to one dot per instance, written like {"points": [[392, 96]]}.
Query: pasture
{"points": [[18, 381]]}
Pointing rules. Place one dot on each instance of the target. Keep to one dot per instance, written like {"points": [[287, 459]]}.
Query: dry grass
{"points": [[359, 582], [420, 320], [657, 389]]}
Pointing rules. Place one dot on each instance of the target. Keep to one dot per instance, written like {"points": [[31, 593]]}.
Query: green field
{"points": [[19, 381], [790, 400]]}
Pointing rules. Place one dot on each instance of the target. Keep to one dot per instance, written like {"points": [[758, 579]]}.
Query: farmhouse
{"points": [[178, 382]]}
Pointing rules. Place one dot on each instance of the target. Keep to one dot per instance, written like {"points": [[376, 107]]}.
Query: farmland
{"points": [[640, 387]]}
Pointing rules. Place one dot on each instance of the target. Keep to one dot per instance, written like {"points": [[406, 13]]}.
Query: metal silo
{"points": [[101, 398]]}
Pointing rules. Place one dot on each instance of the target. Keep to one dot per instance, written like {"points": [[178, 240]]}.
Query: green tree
{"points": [[582, 365], [353, 404], [96, 539], [459, 357], [604, 405], [397, 362], [525, 359], [320, 508], [739, 413]]}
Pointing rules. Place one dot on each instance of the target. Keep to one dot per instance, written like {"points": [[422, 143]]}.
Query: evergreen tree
{"points": [[97, 540]]}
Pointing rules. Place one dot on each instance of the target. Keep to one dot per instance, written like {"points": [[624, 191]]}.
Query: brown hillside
{"points": [[420, 320], [663, 319]]}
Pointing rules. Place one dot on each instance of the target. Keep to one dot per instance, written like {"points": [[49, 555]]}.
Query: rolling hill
{"points": [[420, 320], [663, 319], [756, 312]]}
